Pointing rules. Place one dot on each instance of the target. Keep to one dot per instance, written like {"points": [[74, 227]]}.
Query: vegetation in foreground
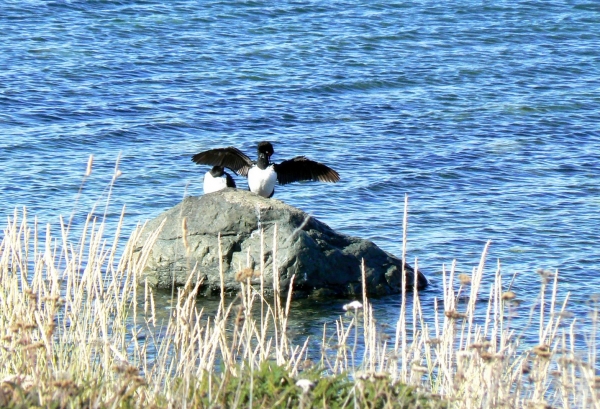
{"points": [[270, 386], [80, 331], [77, 329]]}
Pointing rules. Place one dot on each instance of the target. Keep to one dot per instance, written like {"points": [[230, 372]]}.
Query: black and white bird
{"points": [[217, 179], [262, 174]]}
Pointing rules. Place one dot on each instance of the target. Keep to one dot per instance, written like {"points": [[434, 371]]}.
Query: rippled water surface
{"points": [[486, 114]]}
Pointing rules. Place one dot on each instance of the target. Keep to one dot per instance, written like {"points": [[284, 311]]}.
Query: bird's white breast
{"points": [[262, 181], [212, 184]]}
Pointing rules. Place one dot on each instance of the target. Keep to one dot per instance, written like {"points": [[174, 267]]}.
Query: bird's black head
{"points": [[217, 171], [265, 150]]}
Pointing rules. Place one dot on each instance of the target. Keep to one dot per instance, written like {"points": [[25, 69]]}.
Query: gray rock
{"points": [[324, 262]]}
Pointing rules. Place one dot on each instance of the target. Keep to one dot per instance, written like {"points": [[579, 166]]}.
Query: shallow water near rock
{"points": [[485, 115]]}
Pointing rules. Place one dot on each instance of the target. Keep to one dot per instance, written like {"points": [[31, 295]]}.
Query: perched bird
{"points": [[263, 174], [217, 179]]}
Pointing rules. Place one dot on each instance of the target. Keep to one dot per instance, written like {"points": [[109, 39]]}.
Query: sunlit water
{"points": [[485, 114]]}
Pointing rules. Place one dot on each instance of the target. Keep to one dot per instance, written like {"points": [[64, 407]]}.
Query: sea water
{"points": [[484, 114]]}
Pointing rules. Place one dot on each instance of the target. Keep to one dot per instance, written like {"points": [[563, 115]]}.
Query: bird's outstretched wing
{"points": [[302, 168], [230, 157]]}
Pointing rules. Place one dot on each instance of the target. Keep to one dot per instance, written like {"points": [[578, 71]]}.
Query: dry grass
{"points": [[77, 329]]}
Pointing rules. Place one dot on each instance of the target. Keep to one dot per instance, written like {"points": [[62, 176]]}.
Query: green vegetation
{"points": [[270, 386]]}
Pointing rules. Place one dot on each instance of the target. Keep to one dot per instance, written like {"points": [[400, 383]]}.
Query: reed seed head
{"points": [[543, 351], [486, 356], [139, 380], [508, 295], [132, 370], [245, 274], [184, 234], [371, 375], [452, 314], [464, 279], [545, 275], [35, 345], [307, 364], [64, 383], [417, 367]]}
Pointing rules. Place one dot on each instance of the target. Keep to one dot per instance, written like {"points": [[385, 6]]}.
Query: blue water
{"points": [[486, 114]]}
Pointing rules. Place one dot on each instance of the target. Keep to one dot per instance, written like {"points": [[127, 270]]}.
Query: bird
{"points": [[262, 174], [217, 179]]}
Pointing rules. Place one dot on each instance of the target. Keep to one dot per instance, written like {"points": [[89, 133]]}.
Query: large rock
{"points": [[325, 262]]}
